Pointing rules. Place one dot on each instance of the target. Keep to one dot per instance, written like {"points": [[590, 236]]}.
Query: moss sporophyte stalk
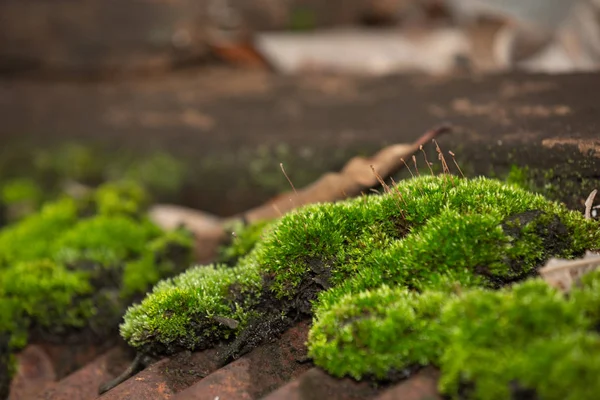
{"points": [[74, 266], [405, 261]]}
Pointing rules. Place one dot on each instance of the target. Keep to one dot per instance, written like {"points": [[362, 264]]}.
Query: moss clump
{"points": [[426, 232], [488, 344], [520, 340], [121, 197], [194, 309], [31, 239], [46, 292], [74, 266], [105, 240], [359, 336]]}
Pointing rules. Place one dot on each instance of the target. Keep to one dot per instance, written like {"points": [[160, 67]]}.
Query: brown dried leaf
{"points": [[563, 274], [358, 175]]}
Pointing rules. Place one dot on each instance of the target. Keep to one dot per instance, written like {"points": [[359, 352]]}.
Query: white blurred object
{"points": [[363, 51], [541, 14], [538, 35]]}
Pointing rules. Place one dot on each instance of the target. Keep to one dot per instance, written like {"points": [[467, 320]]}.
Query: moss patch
{"points": [[73, 267], [526, 339], [359, 335], [194, 309], [434, 231]]}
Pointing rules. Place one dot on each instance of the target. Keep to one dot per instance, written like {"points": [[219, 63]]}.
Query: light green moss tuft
{"points": [[47, 293], [477, 231], [194, 309], [489, 345], [106, 240], [72, 268], [32, 238], [378, 333], [519, 339]]}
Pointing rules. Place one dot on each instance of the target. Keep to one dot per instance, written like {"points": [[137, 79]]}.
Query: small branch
{"points": [[589, 203]]}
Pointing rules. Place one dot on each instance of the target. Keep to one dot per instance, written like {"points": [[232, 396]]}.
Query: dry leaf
{"points": [[563, 274], [356, 176]]}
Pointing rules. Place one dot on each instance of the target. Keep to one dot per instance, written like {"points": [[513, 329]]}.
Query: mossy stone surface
{"points": [[431, 231]]}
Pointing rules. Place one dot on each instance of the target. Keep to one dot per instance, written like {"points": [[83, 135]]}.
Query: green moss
{"points": [[32, 238], [522, 337], [359, 335], [478, 231], [188, 311], [520, 177], [106, 240], [488, 344], [123, 197], [427, 232], [165, 256], [19, 190], [19, 198], [74, 268], [47, 292], [244, 238]]}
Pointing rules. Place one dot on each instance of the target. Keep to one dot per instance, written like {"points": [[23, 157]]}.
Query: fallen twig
{"points": [[589, 203]]}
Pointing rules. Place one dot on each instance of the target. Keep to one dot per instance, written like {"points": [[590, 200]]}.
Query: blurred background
{"points": [[201, 100]]}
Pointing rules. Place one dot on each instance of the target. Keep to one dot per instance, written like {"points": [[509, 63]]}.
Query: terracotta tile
{"points": [[259, 372], [35, 373], [167, 377], [83, 384], [317, 384], [421, 386], [68, 358]]}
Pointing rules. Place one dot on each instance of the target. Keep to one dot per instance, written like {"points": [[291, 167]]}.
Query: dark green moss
{"points": [[166, 255], [569, 182]]}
